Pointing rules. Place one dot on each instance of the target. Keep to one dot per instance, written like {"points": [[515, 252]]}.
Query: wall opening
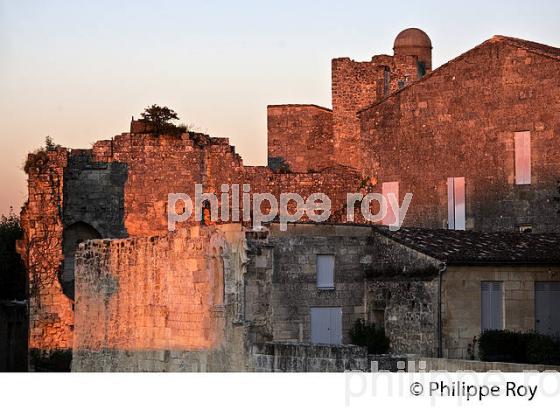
{"points": [[73, 235]]}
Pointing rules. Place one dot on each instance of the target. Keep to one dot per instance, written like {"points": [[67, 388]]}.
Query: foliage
{"points": [[369, 335], [39, 158], [519, 347], [160, 119], [12, 271]]}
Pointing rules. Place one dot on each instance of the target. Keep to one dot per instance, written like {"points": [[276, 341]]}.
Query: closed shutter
{"points": [[523, 158], [390, 188], [547, 308], [491, 306], [326, 325], [325, 271], [456, 207]]}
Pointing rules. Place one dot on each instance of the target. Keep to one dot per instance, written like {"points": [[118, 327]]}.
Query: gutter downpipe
{"points": [[442, 268]]}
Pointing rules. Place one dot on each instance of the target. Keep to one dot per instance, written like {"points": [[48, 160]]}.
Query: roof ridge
{"points": [[538, 48]]}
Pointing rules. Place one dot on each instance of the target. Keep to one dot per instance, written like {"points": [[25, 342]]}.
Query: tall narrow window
{"points": [[325, 271], [456, 203], [523, 158], [491, 306], [386, 81], [390, 188]]}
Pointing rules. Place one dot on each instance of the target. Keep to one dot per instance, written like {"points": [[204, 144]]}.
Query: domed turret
{"points": [[414, 42]]}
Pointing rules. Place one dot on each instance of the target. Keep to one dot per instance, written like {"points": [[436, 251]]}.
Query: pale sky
{"points": [[78, 70]]}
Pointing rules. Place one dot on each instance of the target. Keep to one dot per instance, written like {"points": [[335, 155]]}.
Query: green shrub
{"points": [[370, 336], [518, 347], [543, 349]]}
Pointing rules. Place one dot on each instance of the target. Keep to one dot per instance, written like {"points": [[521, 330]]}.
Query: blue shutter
{"points": [[491, 309], [325, 271]]}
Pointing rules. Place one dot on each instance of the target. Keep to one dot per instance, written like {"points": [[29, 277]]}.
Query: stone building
{"points": [[223, 298], [475, 142]]}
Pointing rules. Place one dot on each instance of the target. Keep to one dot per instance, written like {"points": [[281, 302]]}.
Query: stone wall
{"points": [[94, 194], [50, 311], [375, 279], [304, 357], [408, 311], [299, 137], [459, 121], [430, 364], [161, 303], [356, 85], [461, 301]]}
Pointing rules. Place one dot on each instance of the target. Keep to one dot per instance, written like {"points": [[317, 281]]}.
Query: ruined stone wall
{"points": [[94, 194], [299, 137], [459, 121], [161, 165], [50, 311], [161, 303]]}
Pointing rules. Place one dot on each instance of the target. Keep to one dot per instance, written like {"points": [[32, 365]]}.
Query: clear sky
{"points": [[78, 70]]}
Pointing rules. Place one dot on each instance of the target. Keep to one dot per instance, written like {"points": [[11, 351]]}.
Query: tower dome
{"points": [[414, 42]]}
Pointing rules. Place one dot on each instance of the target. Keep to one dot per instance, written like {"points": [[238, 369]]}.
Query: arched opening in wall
{"points": [[205, 216], [218, 290], [73, 235]]}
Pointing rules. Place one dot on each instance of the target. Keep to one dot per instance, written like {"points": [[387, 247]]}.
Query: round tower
{"points": [[414, 42]]}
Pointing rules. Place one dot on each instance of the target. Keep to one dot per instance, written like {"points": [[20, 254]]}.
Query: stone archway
{"points": [[73, 235]]}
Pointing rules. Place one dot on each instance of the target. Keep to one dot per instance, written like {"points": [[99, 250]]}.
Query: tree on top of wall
{"points": [[160, 118], [12, 271]]}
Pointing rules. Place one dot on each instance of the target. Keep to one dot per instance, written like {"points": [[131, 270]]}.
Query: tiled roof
{"points": [[468, 247]]}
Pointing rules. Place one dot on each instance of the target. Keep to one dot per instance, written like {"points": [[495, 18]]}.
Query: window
{"points": [[421, 69], [456, 203], [386, 81], [390, 188], [547, 308], [326, 325], [523, 158], [325, 271], [491, 309]]}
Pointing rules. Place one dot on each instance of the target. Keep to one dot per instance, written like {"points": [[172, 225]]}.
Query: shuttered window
{"points": [[491, 308], [456, 203], [523, 158], [325, 271]]}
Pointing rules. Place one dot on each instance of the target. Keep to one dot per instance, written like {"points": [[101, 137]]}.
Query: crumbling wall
{"points": [[94, 193], [459, 121], [161, 303], [50, 311]]}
